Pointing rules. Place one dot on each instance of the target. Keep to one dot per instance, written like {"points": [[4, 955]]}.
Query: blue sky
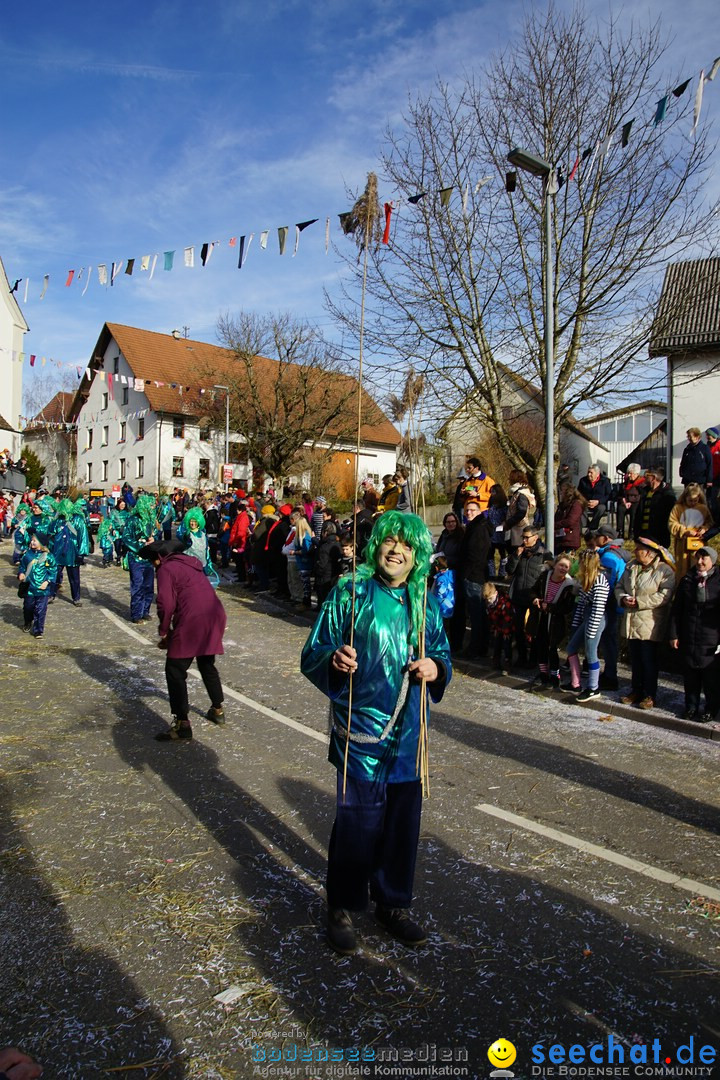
{"points": [[135, 128]]}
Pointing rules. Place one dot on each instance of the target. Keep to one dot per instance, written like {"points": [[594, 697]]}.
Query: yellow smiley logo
{"points": [[502, 1054]]}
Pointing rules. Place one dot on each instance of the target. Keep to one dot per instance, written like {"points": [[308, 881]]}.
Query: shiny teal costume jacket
{"points": [[385, 723]]}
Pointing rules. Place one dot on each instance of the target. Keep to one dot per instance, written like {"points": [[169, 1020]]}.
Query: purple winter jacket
{"points": [[190, 611]]}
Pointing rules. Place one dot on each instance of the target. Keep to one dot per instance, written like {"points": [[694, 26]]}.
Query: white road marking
{"points": [[678, 882], [653, 872], [319, 736], [124, 626]]}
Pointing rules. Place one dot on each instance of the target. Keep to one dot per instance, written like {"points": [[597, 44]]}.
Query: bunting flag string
{"points": [[598, 150]]}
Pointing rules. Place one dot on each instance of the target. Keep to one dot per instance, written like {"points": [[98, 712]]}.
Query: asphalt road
{"points": [[568, 870]]}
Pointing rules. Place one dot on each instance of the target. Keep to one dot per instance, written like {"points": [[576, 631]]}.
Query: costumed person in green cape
{"points": [[80, 520], [36, 577], [65, 547], [139, 530], [384, 673], [194, 537], [21, 525]]}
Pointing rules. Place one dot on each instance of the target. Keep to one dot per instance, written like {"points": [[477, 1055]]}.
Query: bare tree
{"points": [[289, 394], [458, 294]]}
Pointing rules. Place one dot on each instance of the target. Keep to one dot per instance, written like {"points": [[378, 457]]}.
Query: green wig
{"points": [[144, 507], [413, 531], [104, 528], [66, 508], [195, 514], [47, 504]]}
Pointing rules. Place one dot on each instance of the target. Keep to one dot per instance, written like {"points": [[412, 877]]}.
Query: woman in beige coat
{"points": [[689, 520], [643, 594]]}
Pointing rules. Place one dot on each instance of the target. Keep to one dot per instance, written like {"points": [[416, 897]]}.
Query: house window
{"points": [[177, 469], [105, 400], [105, 470], [607, 432], [139, 467], [106, 434], [178, 429], [89, 438], [624, 429], [125, 395], [235, 453], [642, 426], [205, 434], [88, 476], [123, 431], [204, 468], [141, 429], [121, 468], [116, 365]]}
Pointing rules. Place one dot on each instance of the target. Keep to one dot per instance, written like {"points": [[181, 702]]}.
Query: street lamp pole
{"points": [[227, 423], [528, 162]]}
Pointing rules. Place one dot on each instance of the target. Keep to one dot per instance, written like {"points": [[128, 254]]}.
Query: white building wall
{"points": [[12, 331], [694, 402]]}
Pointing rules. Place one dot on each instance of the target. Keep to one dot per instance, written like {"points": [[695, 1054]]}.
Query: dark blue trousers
{"points": [[142, 587], [609, 642], [374, 843], [35, 610], [73, 573]]}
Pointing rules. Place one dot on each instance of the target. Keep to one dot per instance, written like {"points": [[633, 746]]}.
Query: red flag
{"points": [[32, 360], [388, 214], [574, 169], [71, 275]]}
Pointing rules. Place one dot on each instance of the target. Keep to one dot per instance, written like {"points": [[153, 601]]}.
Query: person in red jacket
{"points": [[192, 624], [713, 495], [568, 519], [238, 539]]}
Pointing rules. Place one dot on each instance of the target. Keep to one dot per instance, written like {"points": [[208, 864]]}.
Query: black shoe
{"points": [[706, 718], [398, 923], [554, 682], [588, 694], [340, 933], [568, 688], [27, 628], [77, 603], [177, 731], [37, 633], [216, 715], [690, 714]]}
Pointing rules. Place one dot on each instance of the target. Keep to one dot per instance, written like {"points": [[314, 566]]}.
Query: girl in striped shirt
{"points": [[587, 625]]}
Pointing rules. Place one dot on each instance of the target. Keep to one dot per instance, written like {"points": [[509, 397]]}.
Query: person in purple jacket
{"points": [[191, 627]]}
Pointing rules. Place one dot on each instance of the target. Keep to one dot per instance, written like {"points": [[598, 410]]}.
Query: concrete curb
{"points": [[606, 706]]}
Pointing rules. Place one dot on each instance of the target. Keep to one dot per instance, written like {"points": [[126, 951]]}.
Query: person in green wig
{"points": [[399, 651], [193, 535], [65, 547], [36, 575], [139, 530]]}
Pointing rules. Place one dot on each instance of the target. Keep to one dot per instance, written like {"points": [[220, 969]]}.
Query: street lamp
{"points": [[536, 166], [227, 423]]}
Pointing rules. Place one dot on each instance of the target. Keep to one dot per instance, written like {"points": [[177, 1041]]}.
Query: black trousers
{"points": [[699, 680], [644, 665], [374, 843], [176, 669]]}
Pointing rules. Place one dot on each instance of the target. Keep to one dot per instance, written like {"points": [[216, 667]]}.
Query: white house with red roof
{"points": [[142, 413]]}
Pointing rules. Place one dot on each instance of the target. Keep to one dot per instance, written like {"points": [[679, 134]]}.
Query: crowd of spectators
{"points": [[504, 593]]}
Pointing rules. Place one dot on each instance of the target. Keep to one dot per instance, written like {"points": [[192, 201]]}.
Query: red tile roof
{"points": [[57, 411], [181, 363]]}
